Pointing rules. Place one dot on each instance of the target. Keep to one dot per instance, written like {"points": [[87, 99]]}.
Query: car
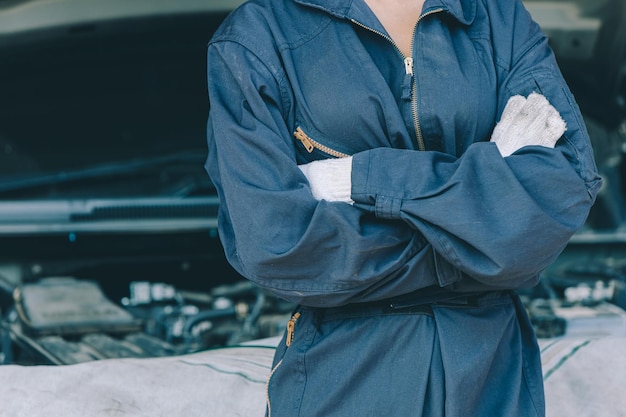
{"points": [[110, 260], [108, 230]]}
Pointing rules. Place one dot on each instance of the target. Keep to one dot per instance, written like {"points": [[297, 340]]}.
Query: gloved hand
{"points": [[527, 121], [330, 179]]}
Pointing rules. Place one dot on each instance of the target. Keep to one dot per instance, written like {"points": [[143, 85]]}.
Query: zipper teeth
{"points": [[379, 33], [267, 388], [311, 144], [416, 122], [291, 328]]}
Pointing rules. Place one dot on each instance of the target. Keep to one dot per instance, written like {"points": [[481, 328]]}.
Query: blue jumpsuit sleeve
{"points": [[273, 231], [499, 220]]}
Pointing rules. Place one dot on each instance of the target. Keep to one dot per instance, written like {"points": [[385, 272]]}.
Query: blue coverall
{"points": [[406, 296]]}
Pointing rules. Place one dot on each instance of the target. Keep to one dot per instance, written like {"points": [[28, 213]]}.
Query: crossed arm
{"points": [[524, 122]]}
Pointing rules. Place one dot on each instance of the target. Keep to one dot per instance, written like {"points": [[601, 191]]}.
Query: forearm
{"points": [[499, 220]]}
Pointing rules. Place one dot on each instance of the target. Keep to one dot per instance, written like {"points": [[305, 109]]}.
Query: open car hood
{"points": [[104, 99]]}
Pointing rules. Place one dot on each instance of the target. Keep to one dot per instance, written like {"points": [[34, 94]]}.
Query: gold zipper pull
{"points": [[291, 327], [304, 138]]}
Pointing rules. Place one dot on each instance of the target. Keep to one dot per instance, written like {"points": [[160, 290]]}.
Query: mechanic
{"points": [[363, 176]]}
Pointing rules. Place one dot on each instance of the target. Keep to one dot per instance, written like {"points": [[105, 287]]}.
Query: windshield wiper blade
{"points": [[110, 170]]}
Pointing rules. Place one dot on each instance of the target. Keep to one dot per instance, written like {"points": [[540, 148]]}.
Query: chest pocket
{"points": [[343, 103], [310, 149]]}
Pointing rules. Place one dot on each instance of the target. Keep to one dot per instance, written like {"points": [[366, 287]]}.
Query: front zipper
{"points": [[291, 328], [310, 144], [408, 69], [267, 388], [291, 331]]}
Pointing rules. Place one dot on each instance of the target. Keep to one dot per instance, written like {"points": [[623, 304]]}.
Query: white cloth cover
{"points": [[583, 378]]}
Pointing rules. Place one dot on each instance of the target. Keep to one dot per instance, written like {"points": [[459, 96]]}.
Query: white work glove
{"points": [[527, 121], [330, 179]]}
